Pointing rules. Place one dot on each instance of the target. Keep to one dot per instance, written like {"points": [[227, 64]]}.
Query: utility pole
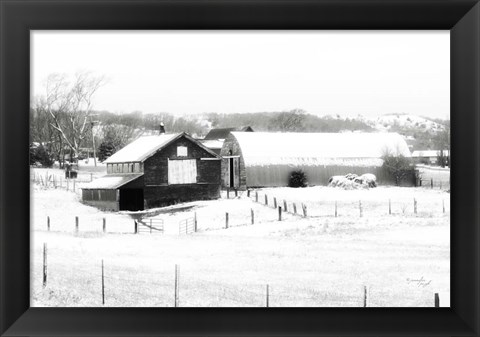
{"points": [[92, 123], [93, 145]]}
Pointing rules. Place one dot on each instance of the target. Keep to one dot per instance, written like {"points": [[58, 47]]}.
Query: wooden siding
{"points": [[156, 167], [158, 196], [101, 198], [131, 167]]}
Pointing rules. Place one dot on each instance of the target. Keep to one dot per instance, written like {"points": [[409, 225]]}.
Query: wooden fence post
{"points": [[279, 213], [236, 193], [364, 296], [135, 226], [256, 196], [431, 182], [414, 205], [252, 214], [267, 298], [389, 206], [274, 202], [336, 213], [177, 282], [104, 225], [285, 205], [360, 208], [294, 208], [195, 221], [437, 301], [228, 193], [304, 208], [48, 222], [76, 224], [226, 220], [266, 199], [44, 265], [103, 285], [248, 193]]}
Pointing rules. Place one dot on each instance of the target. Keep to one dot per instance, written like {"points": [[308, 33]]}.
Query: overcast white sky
{"points": [[322, 72]]}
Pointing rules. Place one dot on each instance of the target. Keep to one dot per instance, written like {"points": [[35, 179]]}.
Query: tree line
{"points": [[65, 126]]}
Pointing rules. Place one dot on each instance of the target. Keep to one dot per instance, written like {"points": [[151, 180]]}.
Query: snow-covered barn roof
{"points": [[428, 153], [112, 181], [144, 147], [212, 144], [222, 133], [263, 148]]}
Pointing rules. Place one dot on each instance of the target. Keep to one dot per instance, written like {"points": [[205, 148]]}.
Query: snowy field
{"points": [[401, 258]]}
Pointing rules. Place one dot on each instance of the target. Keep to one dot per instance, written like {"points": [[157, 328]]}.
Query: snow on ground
{"points": [[440, 176], [385, 122], [322, 260]]}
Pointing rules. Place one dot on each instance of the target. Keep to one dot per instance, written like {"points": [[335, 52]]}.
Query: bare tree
{"points": [[69, 106], [442, 142], [399, 166], [292, 121]]}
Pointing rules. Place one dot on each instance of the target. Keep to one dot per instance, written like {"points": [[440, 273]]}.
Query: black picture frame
{"points": [[18, 17]]}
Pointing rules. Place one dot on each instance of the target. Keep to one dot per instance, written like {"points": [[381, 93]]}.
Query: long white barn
{"points": [[257, 159]]}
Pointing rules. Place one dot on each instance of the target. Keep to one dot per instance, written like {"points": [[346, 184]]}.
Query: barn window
{"points": [[131, 168], [125, 168], [182, 171], [109, 168], [182, 151]]}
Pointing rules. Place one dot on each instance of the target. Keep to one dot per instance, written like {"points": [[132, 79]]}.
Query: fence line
{"points": [[362, 206], [176, 291]]}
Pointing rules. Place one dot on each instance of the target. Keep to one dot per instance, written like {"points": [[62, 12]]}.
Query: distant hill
{"points": [[421, 133]]}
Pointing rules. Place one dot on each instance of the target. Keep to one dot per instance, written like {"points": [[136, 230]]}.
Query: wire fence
{"points": [[69, 281], [415, 207]]}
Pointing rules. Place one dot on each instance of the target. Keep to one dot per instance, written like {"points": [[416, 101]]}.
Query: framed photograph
{"points": [[239, 168]]}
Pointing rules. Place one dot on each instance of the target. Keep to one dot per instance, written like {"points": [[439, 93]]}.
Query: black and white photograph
{"points": [[240, 168]]}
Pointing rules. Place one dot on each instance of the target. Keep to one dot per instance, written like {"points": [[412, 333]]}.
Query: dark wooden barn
{"points": [[155, 171]]}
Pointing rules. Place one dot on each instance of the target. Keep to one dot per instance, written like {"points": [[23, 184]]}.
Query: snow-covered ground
{"points": [[321, 260]]}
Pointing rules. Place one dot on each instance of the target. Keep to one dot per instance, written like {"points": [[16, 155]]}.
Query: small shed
{"points": [[429, 157], [155, 171], [262, 159]]}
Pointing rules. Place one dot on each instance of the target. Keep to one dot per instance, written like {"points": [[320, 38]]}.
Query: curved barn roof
{"points": [[263, 148]]}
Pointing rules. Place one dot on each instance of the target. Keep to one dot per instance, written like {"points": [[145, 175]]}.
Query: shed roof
{"points": [[263, 148], [428, 153], [112, 181], [222, 133], [144, 147]]}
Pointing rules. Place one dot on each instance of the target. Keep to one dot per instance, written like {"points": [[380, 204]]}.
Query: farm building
{"points": [[155, 171], [215, 137], [428, 156], [260, 159]]}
